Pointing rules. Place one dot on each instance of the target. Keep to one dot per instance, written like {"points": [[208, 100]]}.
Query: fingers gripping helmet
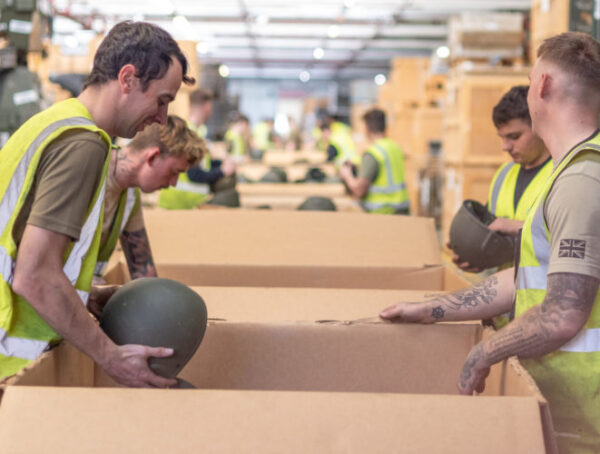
{"points": [[474, 242], [159, 313]]}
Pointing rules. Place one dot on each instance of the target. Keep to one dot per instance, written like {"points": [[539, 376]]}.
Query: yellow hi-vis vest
{"points": [[261, 134], [501, 202], [238, 148], [568, 377], [129, 204], [502, 191], [186, 195], [24, 335], [387, 194], [341, 139]]}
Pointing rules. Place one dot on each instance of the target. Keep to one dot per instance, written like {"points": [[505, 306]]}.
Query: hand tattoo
{"points": [[138, 254], [438, 312]]}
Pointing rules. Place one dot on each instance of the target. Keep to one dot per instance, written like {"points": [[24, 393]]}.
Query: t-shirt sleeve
{"points": [[67, 177], [572, 212], [369, 167]]}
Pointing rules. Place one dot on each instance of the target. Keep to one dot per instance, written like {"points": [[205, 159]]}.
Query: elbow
{"points": [[23, 285], [568, 329]]}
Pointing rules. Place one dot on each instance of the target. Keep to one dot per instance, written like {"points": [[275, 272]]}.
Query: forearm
{"points": [[53, 297], [493, 296], [138, 254], [357, 188]]}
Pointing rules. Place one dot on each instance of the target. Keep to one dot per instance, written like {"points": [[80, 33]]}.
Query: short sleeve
{"points": [[67, 177], [572, 212], [369, 167]]}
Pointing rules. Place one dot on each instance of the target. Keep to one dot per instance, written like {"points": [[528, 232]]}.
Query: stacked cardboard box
{"points": [[548, 18], [290, 366]]}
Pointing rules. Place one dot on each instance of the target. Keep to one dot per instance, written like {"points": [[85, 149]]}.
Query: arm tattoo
{"points": [[467, 370], [138, 254], [438, 313], [469, 299], [568, 303]]}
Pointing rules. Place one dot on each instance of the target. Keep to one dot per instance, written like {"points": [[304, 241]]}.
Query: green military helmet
{"points": [[227, 198], [317, 203], [274, 175], [159, 313], [224, 183], [474, 242]]}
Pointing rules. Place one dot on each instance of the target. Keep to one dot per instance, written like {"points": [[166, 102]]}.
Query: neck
{"points": [[566, 129], [539, 161], [123, 168], [100, 103], [375, 136]]}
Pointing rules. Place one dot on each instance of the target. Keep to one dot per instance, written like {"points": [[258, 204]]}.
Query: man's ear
{"points": [[152, 154], [127, 78], [546, 85]]}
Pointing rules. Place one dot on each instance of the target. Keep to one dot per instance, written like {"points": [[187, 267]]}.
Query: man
{"points": [[516, 184], [263, 135], [194, 186], [339, 143], [380, 184], [238, 136], [152, 160], [52, 195], [557, 307]]}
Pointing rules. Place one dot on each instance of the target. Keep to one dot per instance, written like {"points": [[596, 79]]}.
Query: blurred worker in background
{"points": [[516, 184], [152, 160], [380, 184], [237, 136], [54, 170], [194, 186], [340, 145], [263, 135]]}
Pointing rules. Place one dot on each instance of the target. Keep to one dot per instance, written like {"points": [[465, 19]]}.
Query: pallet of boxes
{"points": [[294, 358], [486, 54]]}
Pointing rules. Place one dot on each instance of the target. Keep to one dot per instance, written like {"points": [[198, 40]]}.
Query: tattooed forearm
{"points": [[467, 371], [138, 254], [469, 299], [548, 326]]}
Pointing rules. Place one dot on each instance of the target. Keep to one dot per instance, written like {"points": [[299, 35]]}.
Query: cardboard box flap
{"points": [[255, 238], [75, 420]]}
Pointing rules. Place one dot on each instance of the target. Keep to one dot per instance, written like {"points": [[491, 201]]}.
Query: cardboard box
{"points": [[284, 158], [300, 189], [267, 382], [291, 202], [268, 248], [256, 170]]}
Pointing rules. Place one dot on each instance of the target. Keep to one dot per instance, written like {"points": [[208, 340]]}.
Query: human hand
{"points": [[506, 226], [228, 167], [407, 313], [128, 365], [465, 266], [346, 170], [474, 372], [99, 296]]}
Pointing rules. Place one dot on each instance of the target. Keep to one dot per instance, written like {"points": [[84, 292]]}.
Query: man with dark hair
{"points": [[152, 160], [554, 297], [52, 188], [380, 184], [516, 184]]}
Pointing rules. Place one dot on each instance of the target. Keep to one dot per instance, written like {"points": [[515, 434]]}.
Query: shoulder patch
{"points": [[572, 248]]}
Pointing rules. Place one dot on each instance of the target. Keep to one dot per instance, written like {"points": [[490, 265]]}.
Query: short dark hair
{"points": [[201, 96], [513, 105], [146, 46], [577, 54], [375, 121]]}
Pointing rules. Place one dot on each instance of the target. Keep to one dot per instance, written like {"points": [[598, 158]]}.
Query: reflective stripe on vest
{"points": [[130, 201], [18, 346], [498, 185]]}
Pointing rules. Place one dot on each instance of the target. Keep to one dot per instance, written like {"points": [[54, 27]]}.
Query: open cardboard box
{"points": [[292, 202], [300, 189], [256, 170], [389, 388], [298, 249]]}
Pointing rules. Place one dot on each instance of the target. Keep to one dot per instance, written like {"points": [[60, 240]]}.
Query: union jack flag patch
{"points": [[572, 248]]}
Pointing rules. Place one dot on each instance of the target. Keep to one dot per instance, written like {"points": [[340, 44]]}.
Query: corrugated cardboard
{"points": [[406, 360], [256, 170], [75, 420], [292, 202], [302, 189]]}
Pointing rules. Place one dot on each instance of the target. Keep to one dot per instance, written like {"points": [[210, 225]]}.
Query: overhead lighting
{"points": [[348, 3], [380, 79], [262, 19], [443, 52], [318, 53], [202, 47], [180, 21], [333, 31], [223, 70], [304, 76]]}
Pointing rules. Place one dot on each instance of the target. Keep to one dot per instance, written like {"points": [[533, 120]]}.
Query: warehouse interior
{"points": [[337, 177]]}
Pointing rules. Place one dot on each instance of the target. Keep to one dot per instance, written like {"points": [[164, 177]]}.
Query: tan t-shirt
{"points": [[572, 213], [111, 202], [64, 185]]}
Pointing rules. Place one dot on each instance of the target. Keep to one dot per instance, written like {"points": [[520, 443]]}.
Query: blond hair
{"points": [[173, 139]]}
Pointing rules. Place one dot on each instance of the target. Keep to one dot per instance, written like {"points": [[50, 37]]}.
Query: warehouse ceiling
{"points": [[285, 39]]}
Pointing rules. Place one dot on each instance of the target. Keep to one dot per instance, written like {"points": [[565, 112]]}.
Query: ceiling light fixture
{"points": [[334, 31], [380, 79], [224, 70], [318, 53], [443, 52], [304, 76], [202, 47], [262, 19]]}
